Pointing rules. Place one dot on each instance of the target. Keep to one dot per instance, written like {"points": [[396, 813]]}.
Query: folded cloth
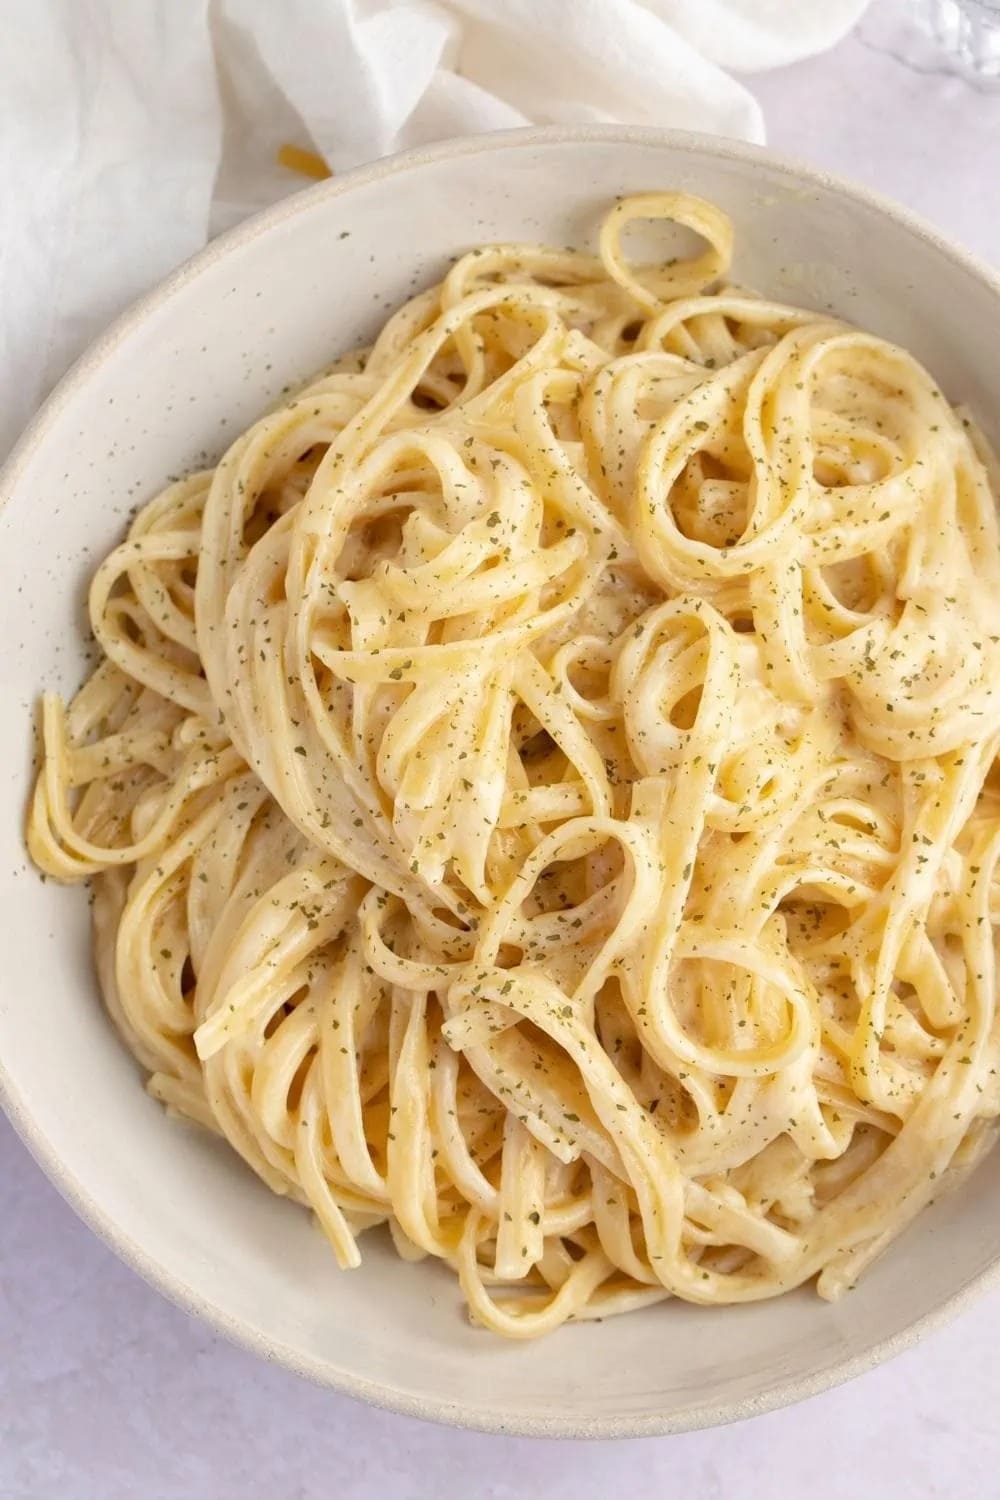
{"points": [[129, 134]]}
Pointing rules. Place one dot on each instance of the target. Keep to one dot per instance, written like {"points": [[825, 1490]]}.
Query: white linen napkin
{"points": [[130, 133]]}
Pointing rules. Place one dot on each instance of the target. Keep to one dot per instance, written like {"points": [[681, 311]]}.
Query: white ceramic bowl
{"points": [[172, 382]]}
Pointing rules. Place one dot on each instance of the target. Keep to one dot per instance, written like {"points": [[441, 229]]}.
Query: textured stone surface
{"points": [[108, 1392]]}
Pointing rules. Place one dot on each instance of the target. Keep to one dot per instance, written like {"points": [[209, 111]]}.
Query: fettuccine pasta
{"points": [[540, 789]]}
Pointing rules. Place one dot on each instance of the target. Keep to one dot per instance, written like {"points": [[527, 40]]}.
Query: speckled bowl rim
{"points": [[239, 1331]]}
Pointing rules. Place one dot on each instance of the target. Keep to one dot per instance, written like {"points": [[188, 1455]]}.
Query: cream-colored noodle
{"points": [[540, 787]]}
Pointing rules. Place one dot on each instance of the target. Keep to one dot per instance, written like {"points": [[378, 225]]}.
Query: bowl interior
{"points": [[165, 392]]}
